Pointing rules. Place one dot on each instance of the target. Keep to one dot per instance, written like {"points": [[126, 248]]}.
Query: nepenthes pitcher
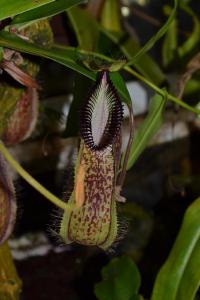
{"points": [[97, 183]]}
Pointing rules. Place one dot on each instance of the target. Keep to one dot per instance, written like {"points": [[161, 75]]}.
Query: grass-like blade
{"points": [[169, 284], [45, 11], [190, 281], [189, 45], [10, 8]]}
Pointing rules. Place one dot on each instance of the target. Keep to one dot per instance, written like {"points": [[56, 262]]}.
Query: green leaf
{"points": [[194, 37], [149, 127], [156, 37], [180, 275], [10, 8], [121, 280], [45, 11], [80, 19], [190, 281], [169, 48]]}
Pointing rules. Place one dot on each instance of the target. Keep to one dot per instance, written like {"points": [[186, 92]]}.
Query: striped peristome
{"points": [[101, 114], [94, 220]]}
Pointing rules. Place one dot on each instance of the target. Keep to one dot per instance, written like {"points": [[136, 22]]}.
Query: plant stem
{"points": [[10, 283], [160, 91], [40, 188]]}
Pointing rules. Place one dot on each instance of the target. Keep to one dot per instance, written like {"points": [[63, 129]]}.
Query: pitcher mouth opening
{"points": [[101, 114]]}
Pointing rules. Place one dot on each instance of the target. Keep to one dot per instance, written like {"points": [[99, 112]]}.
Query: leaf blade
{"points": [[11, 8], [171, 274], [47, 10], [193, 39], [170, 42], [190, 281]]}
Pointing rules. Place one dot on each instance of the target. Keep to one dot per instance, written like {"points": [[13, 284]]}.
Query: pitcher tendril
{"points": [[95, 193]]}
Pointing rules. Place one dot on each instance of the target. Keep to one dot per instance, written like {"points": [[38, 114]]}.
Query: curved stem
{"points": [[34, 183], [160, 91]]}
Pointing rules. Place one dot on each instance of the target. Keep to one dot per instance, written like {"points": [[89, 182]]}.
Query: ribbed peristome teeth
{"points": [[101, 115]]}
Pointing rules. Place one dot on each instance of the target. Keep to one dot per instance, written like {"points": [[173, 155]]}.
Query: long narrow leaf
{"points": [[45, 11], [194, 37], [149, 127], [169, 48], [155, 37], [9, 8], [190, 281], [170, 277]]}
